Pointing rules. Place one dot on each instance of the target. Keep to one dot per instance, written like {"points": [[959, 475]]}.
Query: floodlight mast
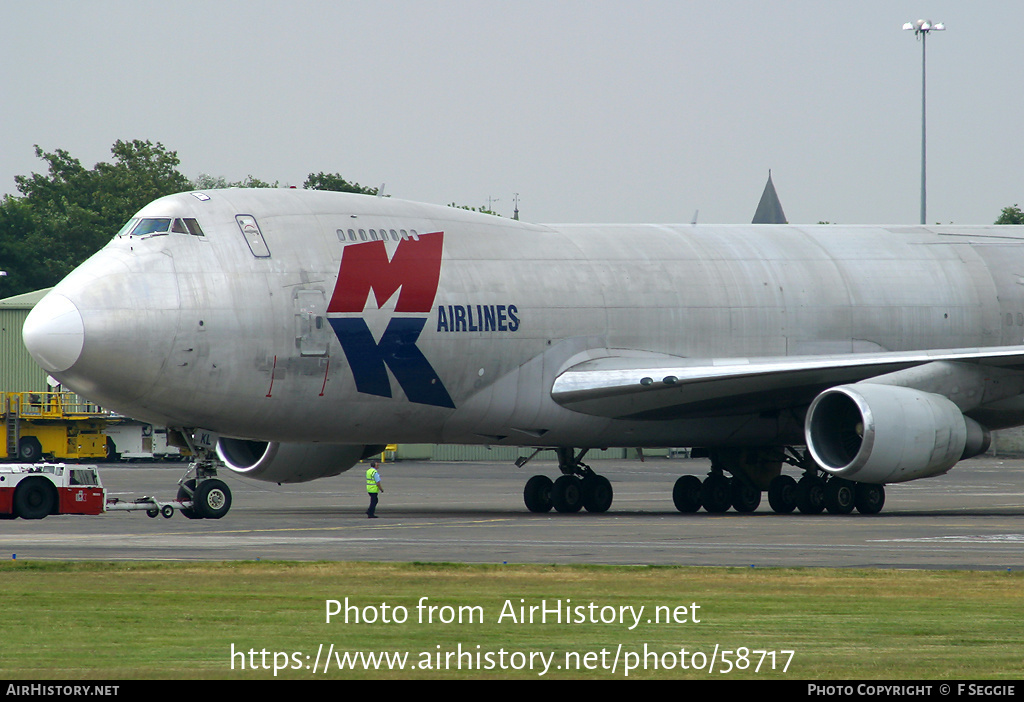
{"points": [[921, 29]]}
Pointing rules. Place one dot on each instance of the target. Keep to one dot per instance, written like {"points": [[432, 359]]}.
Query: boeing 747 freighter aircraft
{"points": [[286, 334]]}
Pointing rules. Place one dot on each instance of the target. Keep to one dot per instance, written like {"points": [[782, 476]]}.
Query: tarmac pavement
{"points": [[971, 518]]}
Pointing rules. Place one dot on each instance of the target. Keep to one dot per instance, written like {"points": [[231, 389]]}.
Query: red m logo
{"points": [[415, 268]]}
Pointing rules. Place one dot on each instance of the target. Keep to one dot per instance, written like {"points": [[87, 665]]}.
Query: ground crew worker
{"points": [[373, 487]]}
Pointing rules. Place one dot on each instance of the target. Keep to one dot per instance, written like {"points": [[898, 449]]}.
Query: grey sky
{"points": [[590, 110]]}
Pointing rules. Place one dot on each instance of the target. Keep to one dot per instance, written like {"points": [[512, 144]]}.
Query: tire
{"points": [[782, 494], [839, 496], [810, 495], [212, 499], [537, 494], [745, 498], [869, 498], [29, 449], [686, 494], [567, 494], [112, 455], [597, 494], [716, 494], [35, 498]]}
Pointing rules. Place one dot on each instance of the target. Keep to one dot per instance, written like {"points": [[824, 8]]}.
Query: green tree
{"points": [[141, 173], [70, 212], [335, 182], [21, 252], [1011, 215], [205, 181]]}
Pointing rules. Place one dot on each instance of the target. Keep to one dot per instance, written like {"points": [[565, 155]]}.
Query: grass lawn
{"points": [[240, 620]]}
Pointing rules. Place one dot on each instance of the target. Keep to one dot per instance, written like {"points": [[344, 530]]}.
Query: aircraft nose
{"points": [[54, 333]]}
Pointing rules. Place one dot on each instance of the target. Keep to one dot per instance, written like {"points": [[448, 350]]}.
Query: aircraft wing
{"points": [[629, 387]]}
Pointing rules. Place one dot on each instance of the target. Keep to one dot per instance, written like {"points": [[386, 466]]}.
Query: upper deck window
{"points": [[377, 235]]}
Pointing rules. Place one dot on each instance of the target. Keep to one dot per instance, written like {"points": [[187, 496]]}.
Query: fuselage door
{"points": [[253, 235], [312, 331]]}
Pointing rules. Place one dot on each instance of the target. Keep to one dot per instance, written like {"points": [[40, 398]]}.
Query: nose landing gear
{"points": [[210, 497]]}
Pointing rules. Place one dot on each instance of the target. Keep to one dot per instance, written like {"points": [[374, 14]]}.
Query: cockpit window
{"points": [[193, 227], [127, 226], [155, 225]]}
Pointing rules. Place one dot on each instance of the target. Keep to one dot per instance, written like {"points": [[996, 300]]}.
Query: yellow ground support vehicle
{"points": [[54, 424]]}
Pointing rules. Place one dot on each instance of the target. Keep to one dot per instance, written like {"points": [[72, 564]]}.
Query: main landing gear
{"points": [[210, 497], [737, 480], [757, 470], [577, 488]]}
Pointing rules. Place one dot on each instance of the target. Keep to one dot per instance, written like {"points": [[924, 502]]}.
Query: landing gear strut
{"points": [[579, 487]]}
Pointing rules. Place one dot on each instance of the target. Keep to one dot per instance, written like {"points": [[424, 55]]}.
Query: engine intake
{"points": [[889, 434], [290, 463]]}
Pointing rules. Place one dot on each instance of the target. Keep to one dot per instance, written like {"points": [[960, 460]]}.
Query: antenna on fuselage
{"points": [[695, 213]]}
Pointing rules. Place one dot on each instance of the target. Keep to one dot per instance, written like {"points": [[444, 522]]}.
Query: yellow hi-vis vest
{"points": [[371, 480]]}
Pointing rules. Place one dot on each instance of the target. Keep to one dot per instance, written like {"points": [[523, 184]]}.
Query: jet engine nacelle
{"points": [[290, 463], [889, 434]]}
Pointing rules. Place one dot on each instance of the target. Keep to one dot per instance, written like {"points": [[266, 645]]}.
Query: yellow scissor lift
{"points": [[55, 424]]}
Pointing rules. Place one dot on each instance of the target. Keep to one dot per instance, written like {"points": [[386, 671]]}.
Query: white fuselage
{"points": [[246, 330]]}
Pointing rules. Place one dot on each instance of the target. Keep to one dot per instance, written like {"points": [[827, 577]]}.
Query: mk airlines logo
{"points": [[415, 268], [412, 272]]}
